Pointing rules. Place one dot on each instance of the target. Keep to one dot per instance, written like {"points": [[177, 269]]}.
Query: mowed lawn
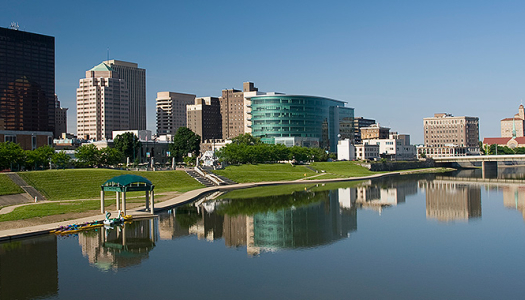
{"points": [[73, 184], [264, 172], [8, 187], [341, 169]]}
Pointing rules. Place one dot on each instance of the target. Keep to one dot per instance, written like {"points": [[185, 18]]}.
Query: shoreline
{"points": [[190, 196]]}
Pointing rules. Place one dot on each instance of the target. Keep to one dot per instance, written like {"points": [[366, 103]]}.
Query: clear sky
{"points": [[393, 61]]}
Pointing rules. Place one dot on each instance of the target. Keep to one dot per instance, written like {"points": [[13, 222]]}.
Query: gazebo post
{"points": [[147, 200], [102, 200], [124, 202], [152, 199], [118, 201]]}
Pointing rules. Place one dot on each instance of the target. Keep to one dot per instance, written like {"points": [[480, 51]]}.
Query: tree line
{"points": [[248, 149]]}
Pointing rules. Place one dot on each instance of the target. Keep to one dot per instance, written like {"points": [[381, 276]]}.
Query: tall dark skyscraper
{"points": [[27, 80]]}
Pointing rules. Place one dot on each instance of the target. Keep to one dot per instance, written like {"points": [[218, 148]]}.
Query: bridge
{"points": [[489, 163]]}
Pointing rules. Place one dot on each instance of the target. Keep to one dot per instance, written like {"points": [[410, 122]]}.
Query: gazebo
{"points": [[128, 183]]}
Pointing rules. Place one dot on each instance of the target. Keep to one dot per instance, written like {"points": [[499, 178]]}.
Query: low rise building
{"points": [[366, 151], [28, 140], [374, 131]]}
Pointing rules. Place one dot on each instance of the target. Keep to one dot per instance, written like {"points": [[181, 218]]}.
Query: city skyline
{"points": [[396, 63]]}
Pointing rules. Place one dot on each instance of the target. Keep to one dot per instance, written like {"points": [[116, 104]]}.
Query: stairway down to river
{"points": [[203, 180]]}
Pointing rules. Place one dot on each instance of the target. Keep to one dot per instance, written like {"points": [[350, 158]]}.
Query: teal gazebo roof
{"points": [[128, 182]]}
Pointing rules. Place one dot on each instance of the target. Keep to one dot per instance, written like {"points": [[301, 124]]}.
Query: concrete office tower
{"points": [[204, 118], [102, 104], [27, 80], [446, 135], [60, 119], [135, 79], [171, 111], [234, 110]]}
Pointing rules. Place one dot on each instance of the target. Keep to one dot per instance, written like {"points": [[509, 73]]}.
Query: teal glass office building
{"points": [[315, 118]]}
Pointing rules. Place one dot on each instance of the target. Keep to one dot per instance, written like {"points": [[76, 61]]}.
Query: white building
{"points": [[171, 111], [345, 150], [366, 152], [102, 103], [135, 79], [395, 149]]}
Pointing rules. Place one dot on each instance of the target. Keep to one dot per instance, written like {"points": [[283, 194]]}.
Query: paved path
{"points": [[170, 203]]}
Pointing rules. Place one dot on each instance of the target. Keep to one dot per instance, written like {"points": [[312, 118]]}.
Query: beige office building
{"points": [[374, 131], [204, 118], [171, 111], [102, 104], [235, 111], [135, 79], [446, 135]]}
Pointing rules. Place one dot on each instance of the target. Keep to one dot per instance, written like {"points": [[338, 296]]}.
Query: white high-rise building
{"points": [[135, 79], [102, 104]]}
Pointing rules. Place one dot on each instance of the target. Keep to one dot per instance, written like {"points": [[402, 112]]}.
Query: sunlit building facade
{"points": [[297, 116]]}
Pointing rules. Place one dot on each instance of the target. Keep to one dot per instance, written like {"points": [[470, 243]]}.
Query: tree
{"points": [[88, 155], [110, 156], [246, 139], [61, 159], [185, 141], [11, 155], [128, 144], [39, 157]]}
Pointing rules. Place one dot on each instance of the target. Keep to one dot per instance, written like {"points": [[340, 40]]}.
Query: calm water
{"points": [[425, 237]]}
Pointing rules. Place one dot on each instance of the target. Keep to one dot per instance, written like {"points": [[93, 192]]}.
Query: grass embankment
{"points": [[74, 184], [8, 187], [341, 169], [279, 172], [264, 172], [50, 209]]}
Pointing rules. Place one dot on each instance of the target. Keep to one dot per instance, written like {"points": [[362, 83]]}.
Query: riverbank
{"points": [[26, 228]]}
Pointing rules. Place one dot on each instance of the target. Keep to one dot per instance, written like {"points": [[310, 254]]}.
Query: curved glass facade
{"points": [[301, 116]]}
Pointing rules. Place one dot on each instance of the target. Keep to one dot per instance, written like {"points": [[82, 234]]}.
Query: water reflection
{"points": [[28, 268], [305, 217], [119, 247], [450, 201]]}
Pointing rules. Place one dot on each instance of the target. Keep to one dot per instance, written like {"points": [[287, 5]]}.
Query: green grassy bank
{"points": [[8, 187], [278, 172], [264, 172], [73, 184]]}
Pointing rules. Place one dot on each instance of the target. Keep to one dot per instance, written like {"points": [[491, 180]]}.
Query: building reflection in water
{"points": [[302, 219], [384, 193], [120, 247], [514, 197], [449, 201], [29, 268]]}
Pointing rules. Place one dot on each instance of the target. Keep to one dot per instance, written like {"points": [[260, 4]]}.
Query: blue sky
{"points": [[393, 61]]}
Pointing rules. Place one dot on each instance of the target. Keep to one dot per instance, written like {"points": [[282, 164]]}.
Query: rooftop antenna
{"points": [[14, 26], [108, 54]]}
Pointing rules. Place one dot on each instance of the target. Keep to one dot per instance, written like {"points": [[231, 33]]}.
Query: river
{"points": [[434, 236]]}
